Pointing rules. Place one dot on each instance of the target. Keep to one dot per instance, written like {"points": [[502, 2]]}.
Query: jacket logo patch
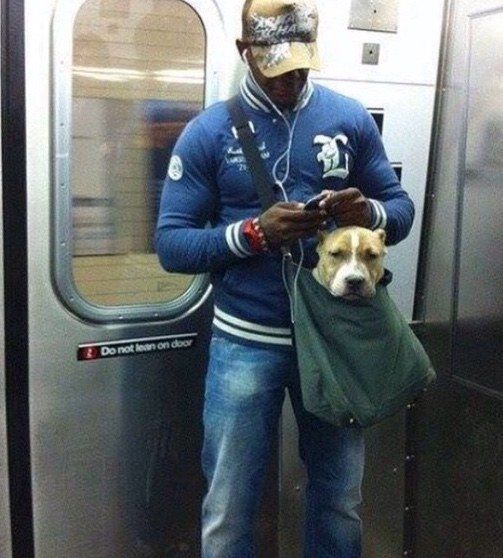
{"points": [[234, 156], [175, 170], [334, 162]]}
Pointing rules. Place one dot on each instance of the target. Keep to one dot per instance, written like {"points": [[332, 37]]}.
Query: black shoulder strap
{"points": [[245, 134]]}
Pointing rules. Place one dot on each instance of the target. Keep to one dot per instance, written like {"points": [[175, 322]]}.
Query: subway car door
{"points": [[117, 345]]}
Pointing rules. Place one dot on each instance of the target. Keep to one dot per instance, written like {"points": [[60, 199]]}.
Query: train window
{"points": [[136, 71]]}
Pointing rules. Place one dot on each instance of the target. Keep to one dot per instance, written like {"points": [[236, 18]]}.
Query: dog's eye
{"points": [[372, 255], [336, 253]]}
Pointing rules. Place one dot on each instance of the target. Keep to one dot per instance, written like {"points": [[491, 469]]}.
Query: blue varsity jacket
{"points": [[328, 141]]}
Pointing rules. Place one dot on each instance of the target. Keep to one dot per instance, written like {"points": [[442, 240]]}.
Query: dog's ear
{"points": [[381, 233], [321, 236]]}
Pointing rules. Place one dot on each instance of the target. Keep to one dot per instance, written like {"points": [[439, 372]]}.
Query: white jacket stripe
{"points": [[251, 99], [243, 324], [232, 238], [251, 336], [237, 239], [380, 220]]}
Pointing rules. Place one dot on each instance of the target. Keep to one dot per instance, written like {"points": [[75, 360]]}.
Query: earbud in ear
{"points": [[243, 56]]}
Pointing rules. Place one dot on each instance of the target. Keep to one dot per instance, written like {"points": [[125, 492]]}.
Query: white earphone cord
{"points": [[292, 296]]}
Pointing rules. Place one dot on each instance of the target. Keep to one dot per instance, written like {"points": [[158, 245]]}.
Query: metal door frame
{"points": [[16, 277]]}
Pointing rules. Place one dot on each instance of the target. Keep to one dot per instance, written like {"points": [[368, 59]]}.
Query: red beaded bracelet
{"points": [[255, 235]]}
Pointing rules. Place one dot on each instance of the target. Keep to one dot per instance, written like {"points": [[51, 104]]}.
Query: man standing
{"points": [[311, 140]]}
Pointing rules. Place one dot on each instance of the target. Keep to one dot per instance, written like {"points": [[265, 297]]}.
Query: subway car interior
{"points": [[104, 353]]}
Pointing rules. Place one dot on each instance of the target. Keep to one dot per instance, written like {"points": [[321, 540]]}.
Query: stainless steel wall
{"points": [[460, 426]]}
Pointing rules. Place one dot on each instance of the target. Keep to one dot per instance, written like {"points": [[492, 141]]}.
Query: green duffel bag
{"points": [[359, 361]]}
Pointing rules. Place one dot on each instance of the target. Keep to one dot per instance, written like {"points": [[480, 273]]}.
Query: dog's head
{"points": [[351, 261]]}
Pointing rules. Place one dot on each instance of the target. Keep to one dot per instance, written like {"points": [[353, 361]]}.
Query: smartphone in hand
{"points": [[313, 203]]}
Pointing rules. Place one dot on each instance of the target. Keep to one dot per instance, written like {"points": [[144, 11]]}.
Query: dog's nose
{"points": [[354, 282]]}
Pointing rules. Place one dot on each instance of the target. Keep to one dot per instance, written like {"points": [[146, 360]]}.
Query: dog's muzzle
{"points": [[356, 286]]}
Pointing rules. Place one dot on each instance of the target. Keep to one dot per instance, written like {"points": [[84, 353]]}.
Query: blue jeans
{"points": [[245, 388]]}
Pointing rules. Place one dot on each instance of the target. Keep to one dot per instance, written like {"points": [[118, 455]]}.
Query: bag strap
{"points": [[244, 131]]}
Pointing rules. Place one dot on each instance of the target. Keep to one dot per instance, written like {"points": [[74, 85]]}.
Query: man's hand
{"points": [[348, 207], [285, 222]]}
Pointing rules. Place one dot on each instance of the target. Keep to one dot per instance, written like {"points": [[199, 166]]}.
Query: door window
{"points": [[137, 77]]}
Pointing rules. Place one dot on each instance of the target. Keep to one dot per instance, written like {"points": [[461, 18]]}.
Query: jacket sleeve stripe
{"points": [[238, 239], [234, 241], [384, 217], [380, 218]]}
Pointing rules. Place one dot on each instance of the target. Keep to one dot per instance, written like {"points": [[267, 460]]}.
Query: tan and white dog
{"points": [[351, 261]]}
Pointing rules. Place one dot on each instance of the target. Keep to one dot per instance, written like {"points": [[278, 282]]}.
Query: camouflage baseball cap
{"points": [[282, 35]]}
